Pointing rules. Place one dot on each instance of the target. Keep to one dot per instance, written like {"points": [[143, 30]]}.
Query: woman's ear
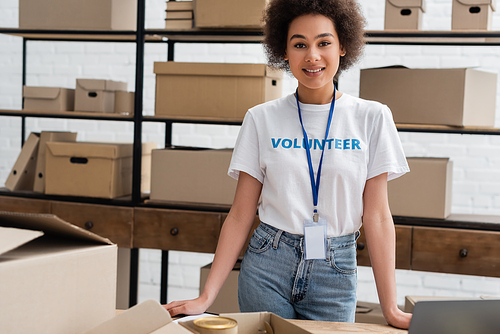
{"points": [[285, 57], [342, 51]]}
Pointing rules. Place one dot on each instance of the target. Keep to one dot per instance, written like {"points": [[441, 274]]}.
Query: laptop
{"points": [[456, 317]]}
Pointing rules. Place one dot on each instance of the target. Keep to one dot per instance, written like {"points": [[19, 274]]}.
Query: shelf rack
{"points": [[171, 37]]}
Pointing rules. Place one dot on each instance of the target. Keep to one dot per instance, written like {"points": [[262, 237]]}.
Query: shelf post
{"points": [[136, 170], [23, 118]]}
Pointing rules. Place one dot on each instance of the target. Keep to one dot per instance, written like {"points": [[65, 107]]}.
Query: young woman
{"points": [[319, 160]]}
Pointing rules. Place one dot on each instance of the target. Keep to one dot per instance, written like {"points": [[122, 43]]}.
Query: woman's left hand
{"points": [[399, 319]]}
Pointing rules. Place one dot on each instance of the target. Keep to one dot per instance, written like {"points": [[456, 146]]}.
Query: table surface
{"points": [[325, 327]]}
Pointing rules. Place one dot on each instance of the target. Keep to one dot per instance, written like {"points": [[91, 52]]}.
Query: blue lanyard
{"points": [[315, 184]]}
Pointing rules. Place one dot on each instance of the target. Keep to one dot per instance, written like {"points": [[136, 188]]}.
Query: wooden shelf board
{"points": [[65, 114], [423, 37], [446, 128]]}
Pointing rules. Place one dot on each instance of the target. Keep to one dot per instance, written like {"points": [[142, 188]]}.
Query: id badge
{"points": [[315, 239]]}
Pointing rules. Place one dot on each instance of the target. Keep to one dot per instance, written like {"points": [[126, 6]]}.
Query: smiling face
{"points": [[313, 52]]}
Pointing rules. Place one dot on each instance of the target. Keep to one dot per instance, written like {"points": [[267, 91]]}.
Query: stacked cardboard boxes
{"points": [[180, 15]]}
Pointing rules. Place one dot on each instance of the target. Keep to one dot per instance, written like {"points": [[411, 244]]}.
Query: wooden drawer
{"points": [[18, 204], [179, 230], [456, 251], [403, 248], [112, 222]]}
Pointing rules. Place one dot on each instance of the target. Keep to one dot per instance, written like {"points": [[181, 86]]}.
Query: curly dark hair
{"points": [[345, 14]]}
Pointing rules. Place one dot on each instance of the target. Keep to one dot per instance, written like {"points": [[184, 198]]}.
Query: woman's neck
{"points": [[323, 95]]}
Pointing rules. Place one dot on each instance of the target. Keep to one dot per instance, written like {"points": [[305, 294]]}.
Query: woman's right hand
{"points": [[187, 307]]}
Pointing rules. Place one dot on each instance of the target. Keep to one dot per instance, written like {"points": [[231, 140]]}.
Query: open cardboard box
{"points": [[150, 317], [55, 277]]}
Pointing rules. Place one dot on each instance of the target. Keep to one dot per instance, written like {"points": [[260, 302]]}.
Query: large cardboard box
{"points": [[404, 14], [192, 175], [97, 95], [425, 191], [78, 15], [204, 91], [22, 175], [229, 13], [91, 169], [55, 277], [457, 97], [472, 14], [48, 136], [48, 98], [227, 299]]}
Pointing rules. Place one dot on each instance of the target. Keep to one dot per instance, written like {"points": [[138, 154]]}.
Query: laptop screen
{"points": [[456, 317]]}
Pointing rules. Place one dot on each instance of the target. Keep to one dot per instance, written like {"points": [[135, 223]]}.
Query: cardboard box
{"points": [[180, 5], [229, 13], [227, 299], [48, 98], [255, 322], [370, 313], [97, 95], [47, 136], [192, 175], [78, 15], [204, 91], [457, 97], [55, 277], [404, 14], [150, 317], [124, 102], [91, 169], [472, 14], [22, 175], [425, 191], [410, 301]]}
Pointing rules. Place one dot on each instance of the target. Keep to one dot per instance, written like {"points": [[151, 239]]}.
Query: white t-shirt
{"points": [[363, 142]]}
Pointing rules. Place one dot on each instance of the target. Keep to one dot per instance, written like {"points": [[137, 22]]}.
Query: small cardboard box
{"points": [[227, 299], [124, 102], [55, 277], [472, 14], [456, 97], [91, 169], [96, 95], [22, 175], [425, 191], [192, 175], [404, 14], [48, 136], [370, 313], [205, 91], [48, 98], [78, 15], [229, 13]]}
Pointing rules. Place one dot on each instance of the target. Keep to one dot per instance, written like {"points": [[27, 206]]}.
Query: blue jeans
{"points": [[274, 277]]}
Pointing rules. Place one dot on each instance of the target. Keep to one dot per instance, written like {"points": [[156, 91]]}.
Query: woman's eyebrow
{"points": [[325, 34]]}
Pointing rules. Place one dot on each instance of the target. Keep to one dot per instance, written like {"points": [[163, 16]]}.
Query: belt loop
{"points": [[328, 240], [277, 239]]}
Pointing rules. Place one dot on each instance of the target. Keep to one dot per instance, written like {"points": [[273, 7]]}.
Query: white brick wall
{"points": [[476, 181]]}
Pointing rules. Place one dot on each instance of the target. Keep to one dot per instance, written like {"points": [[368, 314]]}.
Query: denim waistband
{"points": [[295, 240]]}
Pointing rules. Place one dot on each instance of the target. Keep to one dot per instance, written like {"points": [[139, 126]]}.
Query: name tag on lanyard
{"points": [[315, 239], [315, 229]]}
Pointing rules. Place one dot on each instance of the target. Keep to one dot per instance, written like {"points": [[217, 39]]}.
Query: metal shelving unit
{"points": [[171, 37]]}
